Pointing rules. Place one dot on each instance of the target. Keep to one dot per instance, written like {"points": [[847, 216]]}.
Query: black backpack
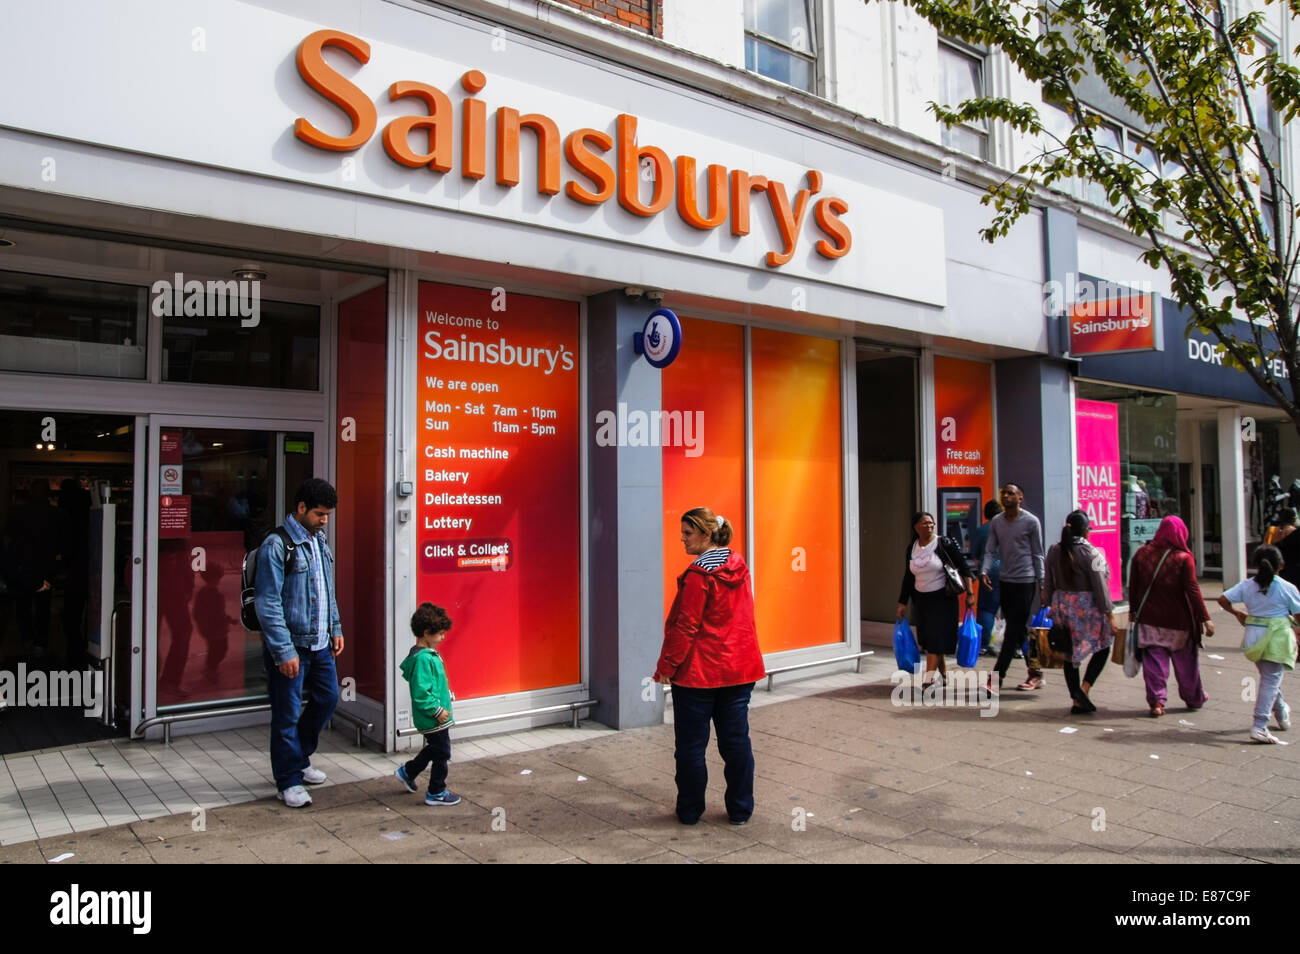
{"points": [[248, 591]]}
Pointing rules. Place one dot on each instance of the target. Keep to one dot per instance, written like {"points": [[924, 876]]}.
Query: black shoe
{"points": [[1084, 704], [1080, 710], [739, 821]]}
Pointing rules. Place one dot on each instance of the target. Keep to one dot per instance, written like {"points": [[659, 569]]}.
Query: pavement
{"points": [[843, 775]]}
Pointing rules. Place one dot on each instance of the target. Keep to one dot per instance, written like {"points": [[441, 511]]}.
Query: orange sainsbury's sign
{"points": [[600, 166], [1115, 323]]}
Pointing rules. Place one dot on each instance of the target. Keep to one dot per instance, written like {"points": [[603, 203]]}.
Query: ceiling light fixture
{"points": [[250, 272]]}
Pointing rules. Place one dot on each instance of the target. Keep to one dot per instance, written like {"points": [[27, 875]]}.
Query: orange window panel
{"points": [[706, 381], [798, 491]]}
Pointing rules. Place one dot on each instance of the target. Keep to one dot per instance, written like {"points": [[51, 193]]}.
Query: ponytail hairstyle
{"points": [[704, 520], [1076, 526], [1268, 562]]}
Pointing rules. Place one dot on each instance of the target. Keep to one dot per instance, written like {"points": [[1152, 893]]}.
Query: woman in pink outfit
{"points": [[1172, 615]]}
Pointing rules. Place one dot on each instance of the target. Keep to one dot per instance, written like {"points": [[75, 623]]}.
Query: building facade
{"points": [[409, 246]]}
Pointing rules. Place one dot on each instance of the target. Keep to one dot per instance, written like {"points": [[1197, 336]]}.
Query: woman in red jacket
{"points": [[711, 657], [1166, 600]]}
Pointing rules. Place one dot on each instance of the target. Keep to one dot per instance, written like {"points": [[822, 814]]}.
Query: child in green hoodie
{"points": [[430, 705]]}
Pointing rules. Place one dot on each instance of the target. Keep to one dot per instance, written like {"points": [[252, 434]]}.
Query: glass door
{"points": [[217, 488]]}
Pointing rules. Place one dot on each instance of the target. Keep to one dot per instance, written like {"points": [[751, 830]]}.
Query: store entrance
{"points": [[222, 486], [888, 430], [66, 507]]}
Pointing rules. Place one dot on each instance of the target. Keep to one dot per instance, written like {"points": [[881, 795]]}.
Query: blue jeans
{"points": [[728, 708], [986, 620], [1269, 700], [297, 715]]}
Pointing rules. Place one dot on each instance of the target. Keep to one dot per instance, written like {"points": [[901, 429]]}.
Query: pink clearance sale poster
{"points": [[1096, 432]]}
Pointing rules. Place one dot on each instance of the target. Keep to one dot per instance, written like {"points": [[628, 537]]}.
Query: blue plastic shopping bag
{"points": [[906, 653], [968, 641]]}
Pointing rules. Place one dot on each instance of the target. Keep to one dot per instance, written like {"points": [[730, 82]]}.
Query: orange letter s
{"points": [[321, 77]]}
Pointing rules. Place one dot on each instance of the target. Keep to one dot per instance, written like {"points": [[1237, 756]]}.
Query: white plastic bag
{"points": [[999, 632], [1132, 665]]}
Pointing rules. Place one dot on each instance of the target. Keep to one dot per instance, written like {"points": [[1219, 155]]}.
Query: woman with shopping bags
{"points": [[1076, 584], [1170, 616], [934, 575]]}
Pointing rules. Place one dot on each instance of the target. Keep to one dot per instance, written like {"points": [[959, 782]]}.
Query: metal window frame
{"points": [[403, 465], [147, 667], [985, 132], [815, 56]]}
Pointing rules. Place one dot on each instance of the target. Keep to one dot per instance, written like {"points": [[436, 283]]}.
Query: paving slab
{"points": [[842, 776]]}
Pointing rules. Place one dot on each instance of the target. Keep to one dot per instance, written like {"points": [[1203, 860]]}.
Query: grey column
{"points": [[625, 586], [1232, 498], [1035, 426], [1034, 429]]}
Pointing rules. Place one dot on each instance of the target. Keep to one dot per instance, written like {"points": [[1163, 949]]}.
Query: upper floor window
{"points": [[1261, 106], [961, 77], [780, 41]]}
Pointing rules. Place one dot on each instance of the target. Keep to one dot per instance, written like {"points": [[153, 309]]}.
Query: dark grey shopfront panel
{"points": [[1188, 365]]}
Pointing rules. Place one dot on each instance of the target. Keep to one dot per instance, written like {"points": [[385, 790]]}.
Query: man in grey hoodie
{"points": [[1016, 537]]}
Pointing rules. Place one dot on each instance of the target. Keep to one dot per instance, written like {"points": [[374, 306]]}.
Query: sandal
{"points": [[1157, 711]]}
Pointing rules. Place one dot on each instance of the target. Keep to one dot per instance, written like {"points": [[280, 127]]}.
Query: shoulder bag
{"points": [[953, 583], [1132, 664]]}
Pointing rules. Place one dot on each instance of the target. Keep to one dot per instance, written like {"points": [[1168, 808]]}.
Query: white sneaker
{"points": [[313, 776], [295, 796], [1263, 735], [1283, 717]]}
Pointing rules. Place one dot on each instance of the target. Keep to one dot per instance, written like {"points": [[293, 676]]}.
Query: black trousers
{"points": [[436, 754], [1017, 606], [1095, 665]]}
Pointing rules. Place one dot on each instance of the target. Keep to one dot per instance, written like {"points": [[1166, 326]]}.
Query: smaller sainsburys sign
{"points": [[1115, 320]]}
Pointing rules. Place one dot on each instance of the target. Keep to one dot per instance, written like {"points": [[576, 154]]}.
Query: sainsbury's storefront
{"points": [[456, 231]]}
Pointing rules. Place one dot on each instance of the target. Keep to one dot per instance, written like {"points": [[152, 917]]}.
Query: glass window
{"points": [[1266, 216], [779, 41], [1260, 103], [1108, 138], [1144, 154], [1058, 123], [961, 77], [281, 351], [1150, 478], [236, 487], [66, 326]]}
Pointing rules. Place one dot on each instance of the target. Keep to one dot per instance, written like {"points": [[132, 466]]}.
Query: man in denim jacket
{"points": [[301, 635]]}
